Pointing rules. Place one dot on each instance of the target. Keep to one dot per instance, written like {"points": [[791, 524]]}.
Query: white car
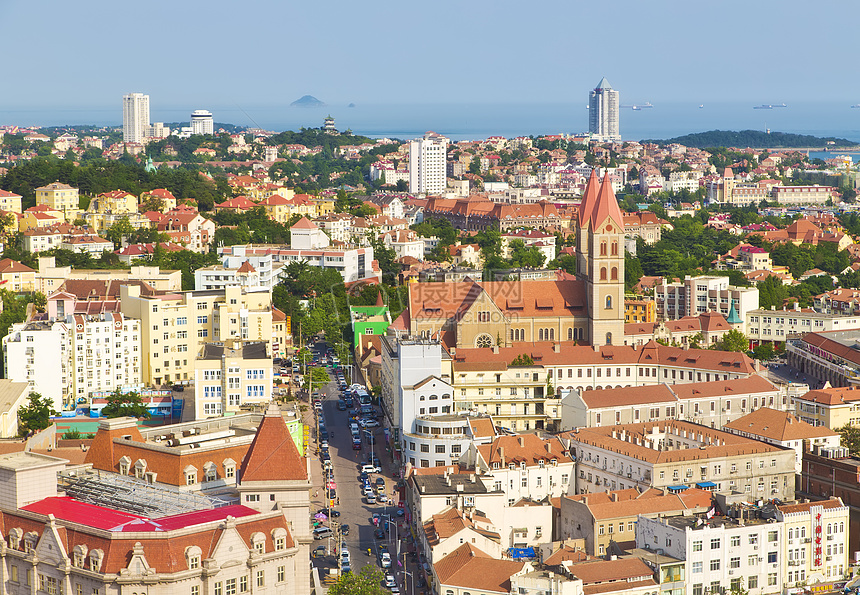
{"points": [[369, 423], [382, 498], [389, 581], [371, 469]]}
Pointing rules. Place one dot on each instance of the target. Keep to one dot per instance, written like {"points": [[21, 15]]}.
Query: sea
{"points": [[472, 121]]}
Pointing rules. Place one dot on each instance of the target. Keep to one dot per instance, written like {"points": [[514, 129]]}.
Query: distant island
{"points": [[307, 101], [753, 139]]}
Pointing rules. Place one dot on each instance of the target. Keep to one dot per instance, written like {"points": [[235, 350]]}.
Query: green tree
{"points": [[850, 438], [734, 340], [525, 257], [35, 415], [523, 359], [317, 378], [368, 581], [125, 405], [116, 232], [764, 352]]}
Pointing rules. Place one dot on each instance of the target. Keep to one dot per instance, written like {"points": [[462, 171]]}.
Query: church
{"points": [[588, 309]]}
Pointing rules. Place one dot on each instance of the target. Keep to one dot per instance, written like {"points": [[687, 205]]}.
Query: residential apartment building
{"points": [[69, 359], [175, 326], [829, 407], [782, 428], [636, 310], [712, 404], [439, 440], [230, 376], [59, 197], [603, 113], [703, 294], [816, 546], [37, 353], [135, 117], [17, 277], [723, 553], [201, 122], [804, 195], [242, 266], [10, 202], [427, 164], [523, 467], [523, 395], [783, 325], [605, 518], [675, 455], [49, 278]]}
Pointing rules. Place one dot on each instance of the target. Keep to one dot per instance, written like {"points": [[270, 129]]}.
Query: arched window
{"points": [[193, 555], [570, 334], [608, 302], [614, 276], [552, 334], [513, 336], [540, 334], [603, 273], [484, 340], [603, 248], [609, 338], [614, 248]]}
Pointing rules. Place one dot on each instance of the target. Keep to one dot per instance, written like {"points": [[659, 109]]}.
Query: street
{"points": [[354, 511]]}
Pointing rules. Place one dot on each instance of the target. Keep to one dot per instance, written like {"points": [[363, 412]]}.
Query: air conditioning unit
{"points": [[731, 572], [755, 547], [807, 540]]}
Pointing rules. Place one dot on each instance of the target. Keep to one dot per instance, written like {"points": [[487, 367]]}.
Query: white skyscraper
{"points": [[427, 164], [603, 107], [135, 117], [201, 122]]}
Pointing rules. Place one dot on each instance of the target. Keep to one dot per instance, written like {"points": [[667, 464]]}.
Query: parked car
{"points": [[323, 532], [319, 551], [389, 581], [379, 534], [371, 468], [344, 529]]}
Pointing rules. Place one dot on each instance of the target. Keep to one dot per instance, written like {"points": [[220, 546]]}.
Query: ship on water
{"points": [[763, 106]]}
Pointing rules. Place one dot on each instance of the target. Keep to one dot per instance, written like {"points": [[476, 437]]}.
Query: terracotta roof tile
{"points": [[777, 425], [470, 568], [273, 455]]}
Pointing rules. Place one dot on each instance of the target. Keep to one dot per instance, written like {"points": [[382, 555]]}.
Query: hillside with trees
{"points": [[751, 138]]}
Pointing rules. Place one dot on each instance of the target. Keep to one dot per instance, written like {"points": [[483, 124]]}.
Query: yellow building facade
{"points": [[636, 310], [174, 327]]}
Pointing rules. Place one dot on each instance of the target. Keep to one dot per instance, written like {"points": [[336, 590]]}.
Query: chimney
{"points": [[502, 454], [548, 447], [495, 348], [556, 347], [522, 441], [472, 477], [614, 497]]}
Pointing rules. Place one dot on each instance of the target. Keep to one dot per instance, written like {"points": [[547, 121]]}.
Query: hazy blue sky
{"points": [[87, 54]]}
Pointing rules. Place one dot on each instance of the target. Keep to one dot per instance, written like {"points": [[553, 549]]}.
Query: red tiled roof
{"points": [[273, 455]]}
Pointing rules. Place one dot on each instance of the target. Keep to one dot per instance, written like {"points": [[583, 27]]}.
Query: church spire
{"points": [[606, 206], [589, 197]]}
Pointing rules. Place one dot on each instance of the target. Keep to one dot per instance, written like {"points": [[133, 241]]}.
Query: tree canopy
{"points": [[125, 405], [35, 415]]}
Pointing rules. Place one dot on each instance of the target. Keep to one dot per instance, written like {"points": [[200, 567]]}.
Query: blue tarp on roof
{"points": [[677, 488], [519, 553], [706, 484]]}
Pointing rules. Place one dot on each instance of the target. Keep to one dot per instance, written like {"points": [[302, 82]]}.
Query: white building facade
{"points": [[603, 107], [135, 117], [201, 122], [427, 164]]}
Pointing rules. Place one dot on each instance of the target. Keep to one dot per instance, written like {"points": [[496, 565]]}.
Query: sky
{"points": [[85, 55]]}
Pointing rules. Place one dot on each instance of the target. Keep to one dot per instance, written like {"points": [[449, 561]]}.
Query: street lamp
{"points": [[411, 580]]}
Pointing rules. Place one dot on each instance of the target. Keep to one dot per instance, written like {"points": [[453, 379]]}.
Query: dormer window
{"points": [[192, 556], [211, 472], [258, 543], [79, 556], [523, 466], [279, 538], [15, 538], [511, 466], [554, 462], [229, 468], [30, 541], [541, 464], [190, 475], [495, 465], [96, 557], [124, 466], [140, 468]]}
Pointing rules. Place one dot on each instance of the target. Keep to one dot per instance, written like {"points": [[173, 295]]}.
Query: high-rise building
{"points": [[201, 122], [603, 104], [135, 117], [427, 167]]}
